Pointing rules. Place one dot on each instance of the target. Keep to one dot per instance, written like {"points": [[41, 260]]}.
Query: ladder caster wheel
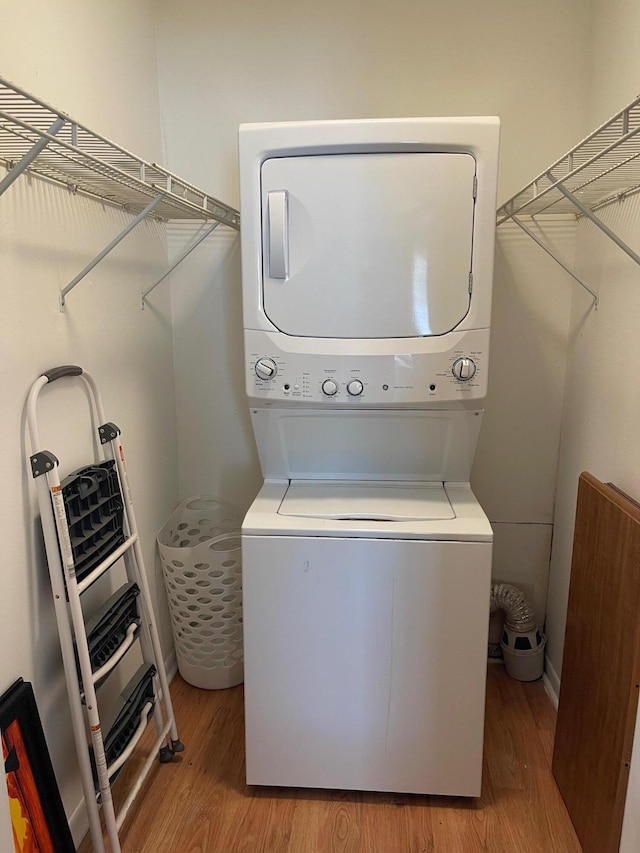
{"points": [[165, 754], [177, 745]]}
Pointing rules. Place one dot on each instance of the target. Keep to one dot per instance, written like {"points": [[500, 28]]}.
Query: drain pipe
{"points": [[522, 642]]}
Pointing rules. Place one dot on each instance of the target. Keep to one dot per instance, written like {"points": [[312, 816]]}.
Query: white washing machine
{"points": [[367, 253]]}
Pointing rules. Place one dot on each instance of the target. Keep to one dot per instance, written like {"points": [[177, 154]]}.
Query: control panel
{"points": [[380, 379]]}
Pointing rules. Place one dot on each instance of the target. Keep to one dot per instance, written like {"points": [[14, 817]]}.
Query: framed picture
{"points": [[37, 816]]}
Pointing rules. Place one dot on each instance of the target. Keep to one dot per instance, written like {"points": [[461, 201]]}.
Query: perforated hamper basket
{"points": [[200, 553]]}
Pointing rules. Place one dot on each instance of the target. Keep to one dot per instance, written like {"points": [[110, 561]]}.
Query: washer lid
{"points": [[365, 500]]}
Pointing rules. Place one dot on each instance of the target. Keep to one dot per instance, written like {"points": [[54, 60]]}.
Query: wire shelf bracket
{"points": [[44, 141], [555, 257], [602, 169], [14, 173], [187, 251], [116, 240]]}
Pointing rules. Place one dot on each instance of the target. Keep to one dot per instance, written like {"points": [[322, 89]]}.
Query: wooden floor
{"points": [[200, 804]]}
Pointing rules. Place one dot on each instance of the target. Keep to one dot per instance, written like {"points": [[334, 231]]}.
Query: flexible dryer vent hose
{"points": [[519, 615]]}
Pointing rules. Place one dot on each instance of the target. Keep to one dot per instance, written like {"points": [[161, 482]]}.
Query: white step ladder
{"points": [[76, 559]]}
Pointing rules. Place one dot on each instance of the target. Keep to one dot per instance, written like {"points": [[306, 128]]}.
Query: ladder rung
{"points": [[107, 563]]}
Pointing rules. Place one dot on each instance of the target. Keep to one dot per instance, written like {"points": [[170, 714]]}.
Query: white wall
{"points": [[215, 443], [514, 474], [602, 402], [599, 426], [97, 62], [614, 63], [224, 63]]}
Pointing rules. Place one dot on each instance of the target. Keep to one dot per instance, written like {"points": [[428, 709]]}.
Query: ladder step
{"points": [[102, 567], [112, 626], [89, 488], [125, 722], [95, 514]]}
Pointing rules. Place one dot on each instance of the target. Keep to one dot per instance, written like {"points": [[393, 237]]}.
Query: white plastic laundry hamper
{"points": [[201, 559]]}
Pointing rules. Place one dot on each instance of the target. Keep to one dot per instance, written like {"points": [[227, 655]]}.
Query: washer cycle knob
{"points": [[355, 387], [266, 368], [330, 387], [464, 369]]}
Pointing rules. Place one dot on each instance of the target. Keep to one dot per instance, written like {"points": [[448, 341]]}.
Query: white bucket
{"points": [[524, 664]]}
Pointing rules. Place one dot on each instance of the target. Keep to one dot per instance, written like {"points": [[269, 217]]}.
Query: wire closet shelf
{"points": [[49, 143], [601, 169]]}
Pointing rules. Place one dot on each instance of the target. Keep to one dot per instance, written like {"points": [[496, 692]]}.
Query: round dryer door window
{"points": [[367, 245]]}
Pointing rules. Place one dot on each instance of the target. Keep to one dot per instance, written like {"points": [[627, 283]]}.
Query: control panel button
{"points": [[330, 387], [266, 368], [355, 388], [464, 369]]}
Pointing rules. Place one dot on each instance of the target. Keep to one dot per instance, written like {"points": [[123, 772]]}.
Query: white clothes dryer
{"points": [[367, 254]]}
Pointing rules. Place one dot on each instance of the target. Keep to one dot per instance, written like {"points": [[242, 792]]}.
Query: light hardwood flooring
{"points": [[200, 804]]}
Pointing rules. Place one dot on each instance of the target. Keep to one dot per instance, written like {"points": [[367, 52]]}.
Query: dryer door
{"points": [[367, 245]]}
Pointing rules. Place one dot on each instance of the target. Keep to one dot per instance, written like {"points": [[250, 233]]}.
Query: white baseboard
{"points": [[79, 820], [79, 823], [551, 682], [171, 667]]}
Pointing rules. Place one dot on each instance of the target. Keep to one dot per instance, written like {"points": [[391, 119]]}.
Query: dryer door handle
{"points": [[277, 202]]}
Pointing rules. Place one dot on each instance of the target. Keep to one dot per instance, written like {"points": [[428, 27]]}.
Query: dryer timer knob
{"points": [[464, 369], [266, 368]]}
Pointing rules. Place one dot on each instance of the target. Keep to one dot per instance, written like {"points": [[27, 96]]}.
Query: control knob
{"points": [[355, 387], [330, 387], [266, 368], [464, 369]]}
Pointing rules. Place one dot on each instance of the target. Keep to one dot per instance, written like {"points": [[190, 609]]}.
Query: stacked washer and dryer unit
{"points": [[367, 262]]}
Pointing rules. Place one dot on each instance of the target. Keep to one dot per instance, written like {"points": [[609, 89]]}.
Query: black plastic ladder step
{"points": [[125, 718], [107, 629], [95, 513]]}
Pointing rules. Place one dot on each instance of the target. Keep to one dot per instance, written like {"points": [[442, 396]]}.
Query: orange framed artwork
{"points": [[37, 815]]}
